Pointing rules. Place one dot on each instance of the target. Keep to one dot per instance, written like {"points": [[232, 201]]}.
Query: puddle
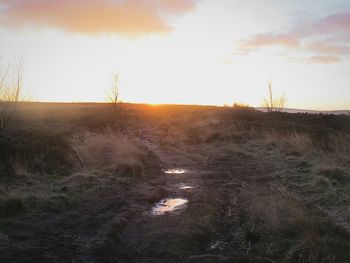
{"points": [[169, 205], [175, 171], [183, 186]]}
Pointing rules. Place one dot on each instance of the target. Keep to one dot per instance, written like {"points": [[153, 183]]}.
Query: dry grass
{"points": [[292, 142], [311, 247], [274, 208], [298, 233], [101, 158], [336, 147], [341, 143], [105, 149], [319, 180], [20, 168], [340, 149], [31, 191], [331, 172]]}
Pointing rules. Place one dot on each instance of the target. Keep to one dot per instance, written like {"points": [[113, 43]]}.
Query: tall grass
{"points": [[292, 141], [94, 150], [294, 231]]}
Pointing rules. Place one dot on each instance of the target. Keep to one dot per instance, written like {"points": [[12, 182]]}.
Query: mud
{"points": [[113, 222]]}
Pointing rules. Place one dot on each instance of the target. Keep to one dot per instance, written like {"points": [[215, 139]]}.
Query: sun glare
{"points": [[196, 52], [175, 131]]}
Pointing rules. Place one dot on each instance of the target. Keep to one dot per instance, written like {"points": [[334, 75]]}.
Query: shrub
{"points": [[41, 152]]}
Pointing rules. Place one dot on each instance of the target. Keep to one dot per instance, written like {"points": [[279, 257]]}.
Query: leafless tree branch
{"points": [[272, 104], [10, 90], [113, 93]]}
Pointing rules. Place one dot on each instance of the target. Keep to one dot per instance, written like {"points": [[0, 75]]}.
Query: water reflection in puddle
{"points": [[183, 186], [175, 171], [169, 205]]}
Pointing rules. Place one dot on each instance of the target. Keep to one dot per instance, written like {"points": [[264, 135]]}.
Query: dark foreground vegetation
{"points": [[78, 183]]}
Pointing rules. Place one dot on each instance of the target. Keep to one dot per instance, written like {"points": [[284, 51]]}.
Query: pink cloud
{"points": [[324, 48], [127, 17], [327, 38], [339, 22]]}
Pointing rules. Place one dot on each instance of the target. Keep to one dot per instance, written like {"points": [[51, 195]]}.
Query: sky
{"points": [[212, 52]]}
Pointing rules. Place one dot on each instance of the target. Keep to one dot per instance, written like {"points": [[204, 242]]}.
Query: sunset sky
{"points": [[182, 51]]}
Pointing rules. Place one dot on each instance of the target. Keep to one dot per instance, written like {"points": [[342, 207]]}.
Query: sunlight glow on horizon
{"points": [[196, 60]]}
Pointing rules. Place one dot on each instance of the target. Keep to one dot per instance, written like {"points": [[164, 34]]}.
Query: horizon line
{"points": [[181, 104]]}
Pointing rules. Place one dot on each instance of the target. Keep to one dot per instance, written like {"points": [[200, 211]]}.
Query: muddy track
{"points": [[114, 223]]}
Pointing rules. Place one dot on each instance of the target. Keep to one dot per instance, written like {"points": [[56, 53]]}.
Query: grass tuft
{"points": [[106, 149]]}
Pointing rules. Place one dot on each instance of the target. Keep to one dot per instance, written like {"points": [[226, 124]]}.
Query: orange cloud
{"points": [[323, 59], [327, 38], [269, 40], [126, 17], [317, 59]]}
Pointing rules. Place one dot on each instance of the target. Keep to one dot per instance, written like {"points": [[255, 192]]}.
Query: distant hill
{"points": [[336, 112]]}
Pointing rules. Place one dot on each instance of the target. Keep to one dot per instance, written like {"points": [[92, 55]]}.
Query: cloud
{"points": [[272, 39], [326, 37], [324, 48], [316, 59], [335, 23], [126, 17]]}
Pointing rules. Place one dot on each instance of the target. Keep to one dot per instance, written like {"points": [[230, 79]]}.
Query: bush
{"points": [[43, 153]]}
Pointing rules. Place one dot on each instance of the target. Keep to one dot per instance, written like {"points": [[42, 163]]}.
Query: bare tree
{"points": [[11, 84], [113, 94], [274, 104]]}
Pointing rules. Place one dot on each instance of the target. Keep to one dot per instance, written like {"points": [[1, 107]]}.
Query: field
{"points": [[81, 183]]}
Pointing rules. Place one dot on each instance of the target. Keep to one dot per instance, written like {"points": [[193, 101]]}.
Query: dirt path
{"points": [[114, 222]]}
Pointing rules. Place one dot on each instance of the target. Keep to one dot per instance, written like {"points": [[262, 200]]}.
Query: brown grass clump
{"points": [[20, 168], [293, 142], [294, 231], [340, 148], [341, 143], [105, 149], [311, 247], [319, 180], [274, 209], [331, 172]]}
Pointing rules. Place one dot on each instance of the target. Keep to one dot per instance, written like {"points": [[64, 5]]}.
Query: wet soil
{"points": [[119, 222]]}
